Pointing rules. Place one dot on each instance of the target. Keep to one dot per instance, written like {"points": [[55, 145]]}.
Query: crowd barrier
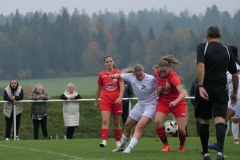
{"points": [[60, 100]]}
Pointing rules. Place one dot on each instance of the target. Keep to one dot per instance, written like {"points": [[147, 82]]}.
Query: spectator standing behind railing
{"points": [[128, 93], [12, 93], [39, 110], [70, 110]]}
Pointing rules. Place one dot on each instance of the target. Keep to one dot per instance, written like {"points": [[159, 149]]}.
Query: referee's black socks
{"points": [[220, 135], [204, 136]]}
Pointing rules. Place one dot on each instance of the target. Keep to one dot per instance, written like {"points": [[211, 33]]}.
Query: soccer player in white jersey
{"points": [[234, 108], [144, 86]]}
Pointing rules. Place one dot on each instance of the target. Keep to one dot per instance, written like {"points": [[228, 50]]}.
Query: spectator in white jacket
{"points": [[70, 110]]}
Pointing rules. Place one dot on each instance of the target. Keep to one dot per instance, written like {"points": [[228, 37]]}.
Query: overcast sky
{"points": [[90, 6]]}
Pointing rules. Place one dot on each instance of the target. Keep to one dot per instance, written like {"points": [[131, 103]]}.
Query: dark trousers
{"points": [[9, 123], [43, 123], [198, 127], [125, 112], [70, 132]]}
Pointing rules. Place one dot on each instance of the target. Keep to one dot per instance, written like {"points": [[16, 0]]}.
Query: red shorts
{"points": [[113, 108], [179, 111]]}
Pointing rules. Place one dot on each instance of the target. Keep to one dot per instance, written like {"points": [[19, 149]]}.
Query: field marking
{"points": [[49, 152]]}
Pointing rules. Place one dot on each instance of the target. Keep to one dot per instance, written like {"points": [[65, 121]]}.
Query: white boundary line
{"points": [[48, 152]]}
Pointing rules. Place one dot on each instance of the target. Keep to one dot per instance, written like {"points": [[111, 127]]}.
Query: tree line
{"points": [[39, 45]]}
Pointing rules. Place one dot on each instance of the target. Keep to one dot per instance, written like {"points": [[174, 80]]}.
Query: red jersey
{"points": [[110, 87], [168, 84]]}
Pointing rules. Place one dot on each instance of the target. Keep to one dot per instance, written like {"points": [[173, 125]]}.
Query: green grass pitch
{"points": [[88, 149]]}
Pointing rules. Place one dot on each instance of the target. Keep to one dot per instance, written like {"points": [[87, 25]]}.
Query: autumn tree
{"points": [[93, 59]]}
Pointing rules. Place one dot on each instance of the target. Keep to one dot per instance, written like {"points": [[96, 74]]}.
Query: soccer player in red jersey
{"points": [[111, 91], [171, 99]]}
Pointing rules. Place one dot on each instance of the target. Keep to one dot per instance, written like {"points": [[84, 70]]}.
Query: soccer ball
{"points": [[170, 127]]}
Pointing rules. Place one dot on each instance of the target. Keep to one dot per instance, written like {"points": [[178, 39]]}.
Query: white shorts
{"points": [[143, 109], [235, 108]]}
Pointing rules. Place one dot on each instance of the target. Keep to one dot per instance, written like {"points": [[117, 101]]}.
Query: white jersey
{"points": [[145, 89], [236, 107], [146, 93], [229, 81]]}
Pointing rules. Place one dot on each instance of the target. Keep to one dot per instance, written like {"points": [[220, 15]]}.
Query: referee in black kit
{"points": [[213, 61]]}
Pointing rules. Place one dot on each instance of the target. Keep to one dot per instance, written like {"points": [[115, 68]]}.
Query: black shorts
{"points": [[216, 105]]}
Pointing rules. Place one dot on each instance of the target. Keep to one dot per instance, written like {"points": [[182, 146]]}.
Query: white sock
{"points": [[235, 130], [104, 141], [133, 142], [118, 143], [219, 153], [124, 140], [227, 129]]}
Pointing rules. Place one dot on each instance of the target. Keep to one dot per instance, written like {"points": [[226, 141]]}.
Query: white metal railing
{"points": [[60, 100]]}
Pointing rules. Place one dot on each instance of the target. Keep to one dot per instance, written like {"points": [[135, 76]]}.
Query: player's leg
{"points": [[117, 128], [179, 111], [159, 118], [132, 120], [230, 113], [203, 111], [235, 123], [227, 126], [147, 116], [182, 133], [235, 130], [220, 112], [117, 110], [141, 125], [126, 135], [105, 130]]}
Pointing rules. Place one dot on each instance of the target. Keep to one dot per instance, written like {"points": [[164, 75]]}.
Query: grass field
{"points": [[56, 86], [88, 149]]}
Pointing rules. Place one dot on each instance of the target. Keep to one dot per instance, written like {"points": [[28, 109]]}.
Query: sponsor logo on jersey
{"points": [[111, 86], [143, 86], [167, 84]]}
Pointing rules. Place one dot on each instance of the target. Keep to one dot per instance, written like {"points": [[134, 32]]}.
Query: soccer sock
{"points": [[204, 136], [220, 134], [227, 126], [182, 138], [133, 142], [117, 134], [235, 130], [124, 140], [162, 135], [105, 133]]}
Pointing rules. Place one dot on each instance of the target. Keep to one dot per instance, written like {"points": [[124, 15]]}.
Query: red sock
{"points": [[182, 138], [105, 133], [117, 134], [162, 135]]}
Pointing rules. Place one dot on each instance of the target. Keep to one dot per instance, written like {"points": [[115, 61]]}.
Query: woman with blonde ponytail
{"points": [[171, 100], [144, 86]]}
